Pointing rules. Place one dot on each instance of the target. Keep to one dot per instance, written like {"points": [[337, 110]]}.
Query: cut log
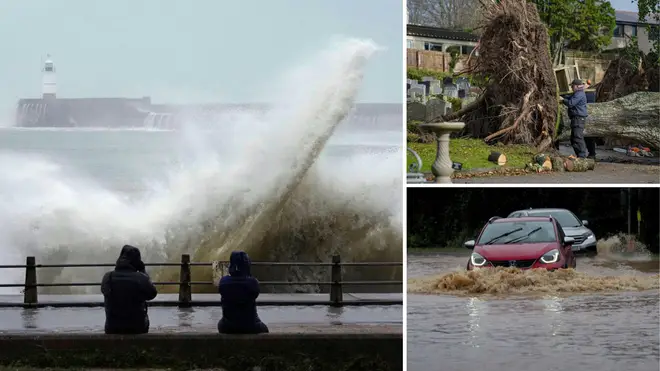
{"points": [[579, 164], [497, 158], [547, 164], [557, 163], [634, 117]]}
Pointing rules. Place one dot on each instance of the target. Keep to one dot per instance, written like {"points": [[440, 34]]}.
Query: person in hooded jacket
{"points": [[239, 292], [126, 291], [577, 113]]}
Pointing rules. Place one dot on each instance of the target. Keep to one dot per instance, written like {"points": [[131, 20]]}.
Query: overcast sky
{"points": [[624, 5], [187, 51]]}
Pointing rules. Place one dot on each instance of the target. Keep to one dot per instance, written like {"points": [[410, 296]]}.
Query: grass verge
{"points": [[473, 154]]}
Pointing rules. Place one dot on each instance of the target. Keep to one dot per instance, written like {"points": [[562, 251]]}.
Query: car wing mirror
{"points": [[469, 244], [569, 241], [585, 222]]}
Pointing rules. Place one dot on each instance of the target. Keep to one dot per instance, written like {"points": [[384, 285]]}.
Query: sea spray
{"points": [[265, 193]]}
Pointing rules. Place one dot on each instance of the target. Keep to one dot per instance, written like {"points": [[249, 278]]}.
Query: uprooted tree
{"points": [[635, 116], [519, 104], [520, 99]]}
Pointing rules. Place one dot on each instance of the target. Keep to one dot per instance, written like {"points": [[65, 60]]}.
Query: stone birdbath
{"points": [[442, 168]]}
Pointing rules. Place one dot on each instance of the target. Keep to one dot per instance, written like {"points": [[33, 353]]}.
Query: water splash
{"points": [[266, 192], [507, 281]]}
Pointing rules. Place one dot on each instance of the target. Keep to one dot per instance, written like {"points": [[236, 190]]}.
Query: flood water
{"points": [[602, 317]]}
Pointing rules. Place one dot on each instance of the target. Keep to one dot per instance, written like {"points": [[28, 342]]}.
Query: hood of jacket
{"points": [[129, 259], [239, 264]]}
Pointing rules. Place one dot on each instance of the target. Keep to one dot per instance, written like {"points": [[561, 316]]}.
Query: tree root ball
{"points": [[520, 101]]}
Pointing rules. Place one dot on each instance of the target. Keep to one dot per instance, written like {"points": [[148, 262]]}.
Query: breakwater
{"points": [[141, 113]]}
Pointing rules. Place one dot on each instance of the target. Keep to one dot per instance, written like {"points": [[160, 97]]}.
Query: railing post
{"points": [[30, 289], [185, 289], [336, 294]]}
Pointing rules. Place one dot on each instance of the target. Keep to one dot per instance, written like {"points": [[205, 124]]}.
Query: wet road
{"points": [[569, 324], [603, 174]]}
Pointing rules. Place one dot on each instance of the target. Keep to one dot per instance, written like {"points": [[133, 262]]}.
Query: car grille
{"points": [[517, 264], [579, 239]]}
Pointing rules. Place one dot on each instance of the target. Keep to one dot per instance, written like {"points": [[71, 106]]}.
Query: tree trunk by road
{"points": [[632, 117]]}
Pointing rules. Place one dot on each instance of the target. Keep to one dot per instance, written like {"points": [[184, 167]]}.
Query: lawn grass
{"points": [[473, 154]]}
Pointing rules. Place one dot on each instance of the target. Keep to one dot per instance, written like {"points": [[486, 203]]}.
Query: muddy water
{"points": [[603, 316]]}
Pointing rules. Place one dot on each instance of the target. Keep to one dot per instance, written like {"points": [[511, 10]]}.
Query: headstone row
{"points": [[420, 91]]}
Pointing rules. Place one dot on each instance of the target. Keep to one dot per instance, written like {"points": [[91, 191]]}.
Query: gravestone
{"points": [[419, 86], [427, 86], [450, 91], [416, 93], [409, 83], [415, 111], [436, 108], [428, 78], [435, 87], [463, 83], [461, 93]]}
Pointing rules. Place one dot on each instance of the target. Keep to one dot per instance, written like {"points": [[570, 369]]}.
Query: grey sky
{"points": [[187, 51], [624, 5]]}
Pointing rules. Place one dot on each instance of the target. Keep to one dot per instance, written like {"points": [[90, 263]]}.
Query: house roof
{"points": [[627, 17], [440, 33]]}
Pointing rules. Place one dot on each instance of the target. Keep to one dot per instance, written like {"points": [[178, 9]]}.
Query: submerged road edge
{"points": [[351, 347]]}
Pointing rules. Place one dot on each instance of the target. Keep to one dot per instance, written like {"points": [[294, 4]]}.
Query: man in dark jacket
{"points": [[239, 292], [126, 291], [577, 113]]}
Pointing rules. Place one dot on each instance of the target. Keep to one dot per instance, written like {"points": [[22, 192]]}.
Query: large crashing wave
{"points": [[272, 197]]}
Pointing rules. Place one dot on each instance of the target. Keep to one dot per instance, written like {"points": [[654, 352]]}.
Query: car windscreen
{"points": [[565, 218], [518, 232]]}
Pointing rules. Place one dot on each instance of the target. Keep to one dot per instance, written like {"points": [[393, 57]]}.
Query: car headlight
{"points": [[550, 257], [478, 260], [590, 239]]}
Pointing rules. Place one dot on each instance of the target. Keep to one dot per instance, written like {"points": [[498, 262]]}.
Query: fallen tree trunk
{"points": [[557, 163], [633, 117]]}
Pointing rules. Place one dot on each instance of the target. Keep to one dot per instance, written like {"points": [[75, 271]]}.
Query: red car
{"points": [[525, 243]]}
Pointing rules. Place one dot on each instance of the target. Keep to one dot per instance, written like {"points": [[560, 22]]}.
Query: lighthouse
{"points": [[49, 83]]}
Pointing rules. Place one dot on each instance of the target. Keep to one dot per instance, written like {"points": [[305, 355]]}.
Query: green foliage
{"points": [[593, 26], [455, 53], [456, 103], [586, 25], [631, 52], [418, 73]]}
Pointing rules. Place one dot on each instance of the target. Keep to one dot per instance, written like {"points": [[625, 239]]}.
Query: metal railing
{"points": [[185, 283]]}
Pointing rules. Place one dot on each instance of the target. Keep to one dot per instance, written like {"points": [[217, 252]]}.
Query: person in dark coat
{"points": [[577, 113], [239, 292], [126, 291]]}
